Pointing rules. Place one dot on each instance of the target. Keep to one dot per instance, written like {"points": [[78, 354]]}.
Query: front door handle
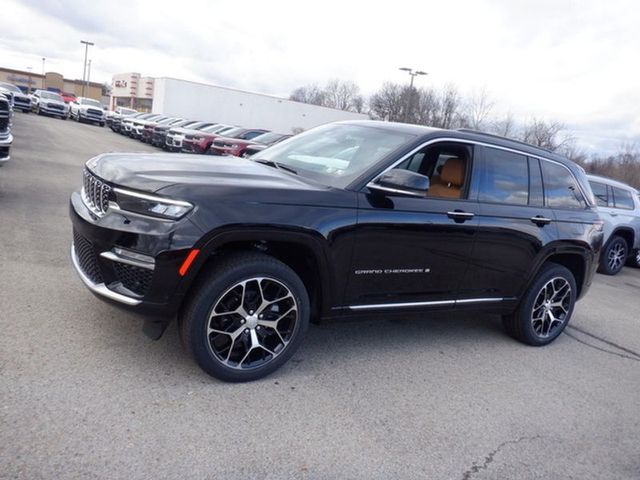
{"points": [[459, 216], [540, 220]]}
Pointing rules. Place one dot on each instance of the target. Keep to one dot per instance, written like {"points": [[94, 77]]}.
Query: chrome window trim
{"points": [[483, 144], [423, 304]]}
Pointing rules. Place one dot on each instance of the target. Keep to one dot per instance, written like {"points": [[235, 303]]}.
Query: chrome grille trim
{"points": [[95, 193]]}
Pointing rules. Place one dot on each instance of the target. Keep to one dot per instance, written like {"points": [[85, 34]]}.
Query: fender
{"points": [[312, 240]]}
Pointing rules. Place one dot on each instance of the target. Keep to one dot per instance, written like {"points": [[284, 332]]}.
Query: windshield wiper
{"points": [[278, 165]]}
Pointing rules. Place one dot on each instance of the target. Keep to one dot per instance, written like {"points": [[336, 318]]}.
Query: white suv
{"points": [[619, 208], [85, 109]]}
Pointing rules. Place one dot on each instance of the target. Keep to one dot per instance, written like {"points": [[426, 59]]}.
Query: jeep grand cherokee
{"points": [[347, 219]]}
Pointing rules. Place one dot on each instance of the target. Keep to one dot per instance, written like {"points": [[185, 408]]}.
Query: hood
{"points": [[154, 171], [235, 141]]}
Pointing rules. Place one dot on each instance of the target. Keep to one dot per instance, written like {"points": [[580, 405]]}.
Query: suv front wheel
{"points": [[545, 309], [247, 318]]}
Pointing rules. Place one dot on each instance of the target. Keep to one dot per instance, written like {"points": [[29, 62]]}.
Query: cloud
{"points": [[569, 61]]}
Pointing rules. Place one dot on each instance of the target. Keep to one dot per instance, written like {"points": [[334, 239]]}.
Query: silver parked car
{"points": [[619, 208]]}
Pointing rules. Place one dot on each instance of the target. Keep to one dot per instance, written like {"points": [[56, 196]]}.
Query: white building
{"points": [[132, 90], [199, 101]]}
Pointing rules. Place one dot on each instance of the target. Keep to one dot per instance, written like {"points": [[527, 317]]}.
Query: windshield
{"points": [[8, 86], [233, 131], [51, 96], [215, 128], [90, 102], [335, 154], [268, 138]]}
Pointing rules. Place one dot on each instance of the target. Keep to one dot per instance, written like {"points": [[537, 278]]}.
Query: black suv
{"points": [[347, 219]]}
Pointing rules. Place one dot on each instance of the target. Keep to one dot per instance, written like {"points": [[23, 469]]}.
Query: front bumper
{"points": [[5, 147], [174, 142], [90, 117], [53, 110], [151, 285], [21, 103]]}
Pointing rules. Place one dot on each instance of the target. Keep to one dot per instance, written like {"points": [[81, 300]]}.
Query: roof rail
{"points": [[501, 137]]}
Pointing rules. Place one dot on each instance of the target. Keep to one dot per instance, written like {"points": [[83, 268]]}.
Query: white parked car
{"points": [[85, 109], [19, 100], [49, 103]]}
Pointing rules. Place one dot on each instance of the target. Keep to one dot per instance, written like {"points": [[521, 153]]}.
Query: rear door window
{"points": [[600, 192], [622, 198], [504, 178], [560, 187]]}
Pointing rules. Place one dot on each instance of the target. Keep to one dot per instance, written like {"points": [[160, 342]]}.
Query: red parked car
{"points": [[68, 97], [200, 141], [234, 142]]}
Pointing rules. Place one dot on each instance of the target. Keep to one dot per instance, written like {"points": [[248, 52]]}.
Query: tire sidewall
{"points": [[526, 307], [209, 294]]}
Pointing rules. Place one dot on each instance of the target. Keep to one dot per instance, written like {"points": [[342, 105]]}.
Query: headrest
{"points": [[453, 172]]}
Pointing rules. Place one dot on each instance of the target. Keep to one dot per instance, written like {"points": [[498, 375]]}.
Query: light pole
{"points": [[88, 72], [84, 69], [414, 74], [43, 60], [29, 87]]}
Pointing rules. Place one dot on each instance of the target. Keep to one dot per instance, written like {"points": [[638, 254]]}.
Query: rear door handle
{"points": [[540, 220], [459, 216]]}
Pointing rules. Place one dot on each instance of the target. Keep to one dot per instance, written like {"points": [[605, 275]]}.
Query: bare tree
{"points": [[308, 94], [551, 135], [388, 102], [504, 126], [478, 109]]}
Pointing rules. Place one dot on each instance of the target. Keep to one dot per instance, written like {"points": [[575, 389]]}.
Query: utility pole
{"points": [[88, 73], [84, 69], [29, 87], [43, 60], [414, 74]]}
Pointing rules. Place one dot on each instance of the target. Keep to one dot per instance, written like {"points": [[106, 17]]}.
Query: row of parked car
{"points": [[191, 136], [60, 105]]}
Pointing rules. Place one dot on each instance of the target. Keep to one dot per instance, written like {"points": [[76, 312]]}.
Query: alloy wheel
{"points": [[616, 256], [551, 307], [252, 323]]}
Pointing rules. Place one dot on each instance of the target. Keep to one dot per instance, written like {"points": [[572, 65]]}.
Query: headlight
{"points": [[151, 205]]}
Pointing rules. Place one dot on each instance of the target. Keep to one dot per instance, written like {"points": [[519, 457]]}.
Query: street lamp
{"points": [[414, 74], [43, 60], [84, 69], [29, 86]]}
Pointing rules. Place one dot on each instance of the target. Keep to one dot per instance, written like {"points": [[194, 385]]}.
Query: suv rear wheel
{"points": [[247, 318], [613, 256], [546, 307]]}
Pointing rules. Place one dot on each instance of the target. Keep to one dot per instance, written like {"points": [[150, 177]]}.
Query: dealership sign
{"points": [[16, 79], [121, 84]]}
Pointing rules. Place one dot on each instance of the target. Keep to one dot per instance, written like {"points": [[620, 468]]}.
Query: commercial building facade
{"points": [[193, 100], [30, 81], [132, 90]]}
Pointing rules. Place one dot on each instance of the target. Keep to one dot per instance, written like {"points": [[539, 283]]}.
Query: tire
{"points": [[634, 259], [239, 338], [102, 124], [613, 256], [537, 321]]}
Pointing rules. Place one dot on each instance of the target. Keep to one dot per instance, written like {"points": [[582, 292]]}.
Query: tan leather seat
{"points": [[449, 184]]}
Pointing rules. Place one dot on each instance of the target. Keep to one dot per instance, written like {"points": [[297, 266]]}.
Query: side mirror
{"points": [[401, 182]]}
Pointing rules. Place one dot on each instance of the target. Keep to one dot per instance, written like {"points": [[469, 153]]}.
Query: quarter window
{"points": [[560, 187], [600, 192], [504, 178], [623, 198]]}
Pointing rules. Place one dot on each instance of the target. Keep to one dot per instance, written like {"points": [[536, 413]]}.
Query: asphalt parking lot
{"points": [[84, 394]]}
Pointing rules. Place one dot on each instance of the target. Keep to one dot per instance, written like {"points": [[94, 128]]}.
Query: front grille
{"points": [[87, 258], [134, 278], [55, 106], [95, 193], [4, 121], [93, 111]]}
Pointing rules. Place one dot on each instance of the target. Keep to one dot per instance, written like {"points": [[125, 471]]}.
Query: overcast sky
{"points": [[573, 61]]}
